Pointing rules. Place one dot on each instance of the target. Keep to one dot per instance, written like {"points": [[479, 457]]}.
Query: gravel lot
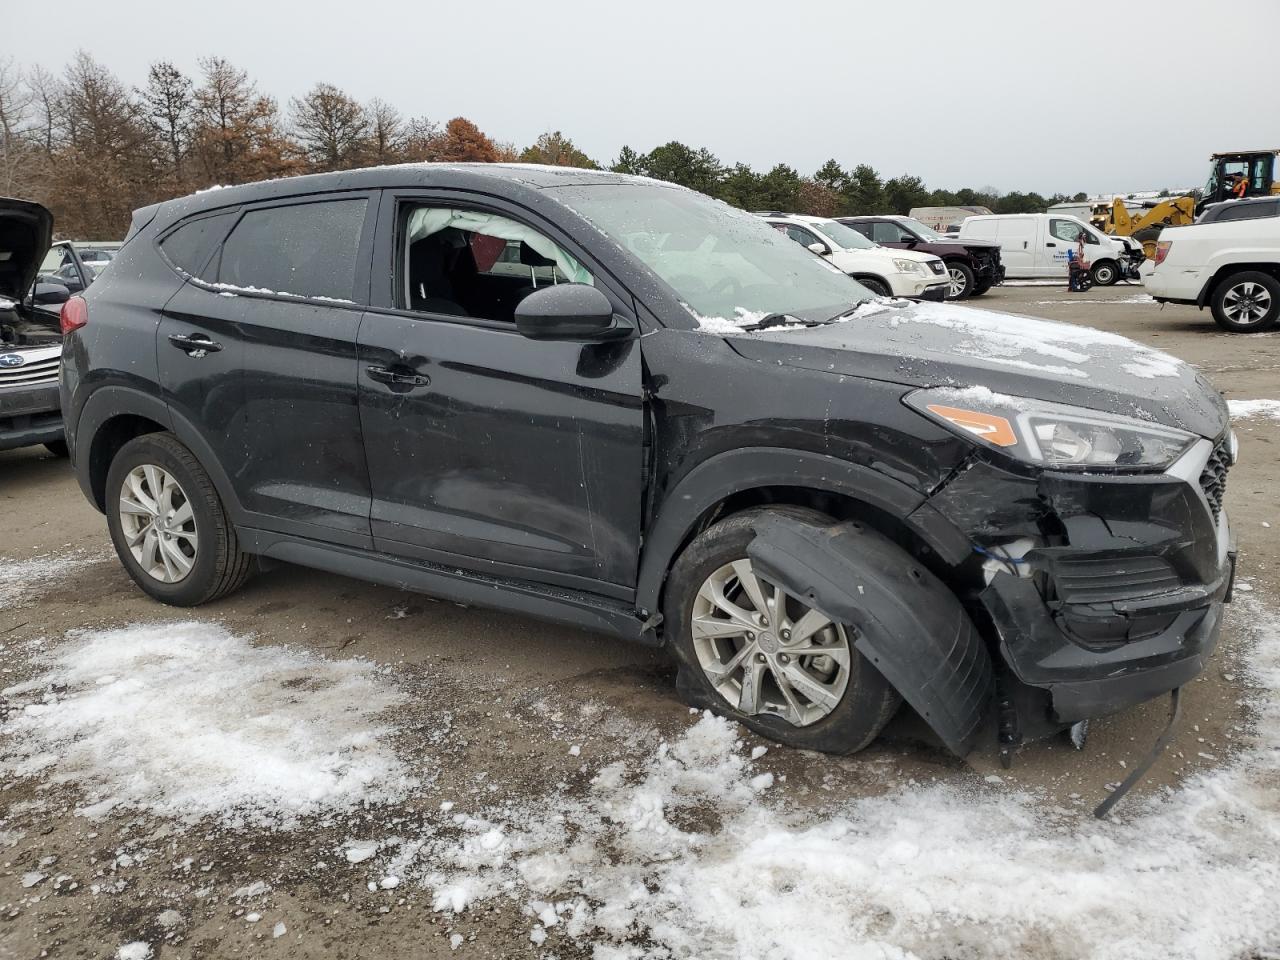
{"points": [[491, 771]]}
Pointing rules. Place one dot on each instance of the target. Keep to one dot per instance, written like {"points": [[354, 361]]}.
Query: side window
{"points": [[863, 228], [466, 263], [1066, 230], [800, 235], [308, 250], [190, 247], [884, 231]]}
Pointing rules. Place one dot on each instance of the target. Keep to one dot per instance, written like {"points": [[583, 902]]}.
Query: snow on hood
{"points": [[941, 345]]}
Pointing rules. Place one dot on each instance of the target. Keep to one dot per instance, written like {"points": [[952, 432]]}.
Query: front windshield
{"points": [[722, 263], [920, 230], [846, 237]]}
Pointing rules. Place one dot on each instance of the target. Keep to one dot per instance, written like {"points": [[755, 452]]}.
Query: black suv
{"points": [[974, 265], [30, 338], [620, 404]]}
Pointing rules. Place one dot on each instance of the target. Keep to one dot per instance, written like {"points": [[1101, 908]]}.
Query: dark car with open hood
{"points": [[30, 335], [617, 403]]}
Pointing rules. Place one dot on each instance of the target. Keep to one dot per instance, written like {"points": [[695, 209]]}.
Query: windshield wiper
{"points": [[777, 320]]}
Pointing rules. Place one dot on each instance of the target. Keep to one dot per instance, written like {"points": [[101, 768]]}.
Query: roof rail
{"points": [[770, 213]]}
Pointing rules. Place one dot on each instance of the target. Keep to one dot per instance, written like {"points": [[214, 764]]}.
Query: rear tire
{"points": [[962, 283], [866, 700], [168, 524], [1246, 302]]}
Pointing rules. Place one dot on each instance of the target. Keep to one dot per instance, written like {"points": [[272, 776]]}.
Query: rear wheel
{"points": [[961, 283], [168, 524], [1247, 302], [751, 652]]}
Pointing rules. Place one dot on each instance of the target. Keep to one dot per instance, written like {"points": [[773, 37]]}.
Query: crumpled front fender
{"points": [[906, 621]]}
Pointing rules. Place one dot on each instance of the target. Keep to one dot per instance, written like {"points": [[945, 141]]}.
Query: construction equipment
{"points": [[1240, 174], [1234, 175], [1145, 223]]}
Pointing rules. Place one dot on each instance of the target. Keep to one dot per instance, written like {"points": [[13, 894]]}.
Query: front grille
{"points": [[938, 266], [30, 374], [1213, 479]]}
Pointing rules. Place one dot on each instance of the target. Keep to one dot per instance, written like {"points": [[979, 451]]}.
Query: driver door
{"points": [[486, 450]]}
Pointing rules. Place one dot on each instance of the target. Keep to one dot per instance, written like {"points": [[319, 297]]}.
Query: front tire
{"points": [[962, 284], [168, 524], [1247, 302], [749, 652], [1105, 273], [876, 286]]}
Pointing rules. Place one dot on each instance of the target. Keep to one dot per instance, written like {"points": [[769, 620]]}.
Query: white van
{"points": [[1036, 245]]}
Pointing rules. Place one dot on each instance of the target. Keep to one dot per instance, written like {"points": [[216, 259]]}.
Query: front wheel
{"points": [[961, 284], [1247, 302], [876, 286], [168, 524], [1105, 273], [751, 652]]}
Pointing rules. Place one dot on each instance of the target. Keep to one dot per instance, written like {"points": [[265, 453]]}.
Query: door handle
{"points": [[1050, 244], [397, 378], [195, 345]]}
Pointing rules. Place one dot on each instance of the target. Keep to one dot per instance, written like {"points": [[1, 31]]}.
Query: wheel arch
{"points": [[111, 417], [736, 480], [1226, 272]]}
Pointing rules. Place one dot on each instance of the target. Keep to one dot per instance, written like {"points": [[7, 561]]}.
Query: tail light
{"points": [[74, 315], [1162, 250]]}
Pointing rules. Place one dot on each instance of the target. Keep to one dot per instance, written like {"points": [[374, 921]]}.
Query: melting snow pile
{"points": [[1247, 409], [188, 720], [689, 857]]}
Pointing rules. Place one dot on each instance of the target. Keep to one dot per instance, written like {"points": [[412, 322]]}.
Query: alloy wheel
{"points": [[1246, 303], [765, 652], [959, 283], [158, 524]]}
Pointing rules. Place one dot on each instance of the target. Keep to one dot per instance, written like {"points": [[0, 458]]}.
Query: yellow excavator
{"points": [[1234, 175]]}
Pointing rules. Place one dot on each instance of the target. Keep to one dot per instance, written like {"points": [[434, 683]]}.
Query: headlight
{"points": [[909, 266], [1053, 435]]}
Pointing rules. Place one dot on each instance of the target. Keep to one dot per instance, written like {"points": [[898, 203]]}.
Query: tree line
{"points": [[92, 149]]}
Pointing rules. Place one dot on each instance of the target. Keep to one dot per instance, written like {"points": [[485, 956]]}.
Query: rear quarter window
{"points": [[308, 250], [191, 246]]}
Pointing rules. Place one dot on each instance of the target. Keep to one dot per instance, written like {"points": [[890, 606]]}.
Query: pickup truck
{"points": [[1230, 266]]}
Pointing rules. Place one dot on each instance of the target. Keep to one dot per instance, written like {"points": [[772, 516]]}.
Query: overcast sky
{"points": [[1063, 95]]}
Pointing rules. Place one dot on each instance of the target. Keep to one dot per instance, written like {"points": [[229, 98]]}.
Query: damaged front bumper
{"points": [[1122, 599]]}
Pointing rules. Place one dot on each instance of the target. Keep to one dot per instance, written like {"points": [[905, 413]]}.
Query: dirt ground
{"points": [[512, 692]]}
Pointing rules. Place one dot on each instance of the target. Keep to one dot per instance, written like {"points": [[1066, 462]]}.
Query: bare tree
{"points": [[387, 132], [15, 149], [46, 92], [169, 109], [330, 126]]}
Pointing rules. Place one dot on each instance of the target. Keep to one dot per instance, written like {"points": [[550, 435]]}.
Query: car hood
{"points": [[941, 345], [26, 232]]}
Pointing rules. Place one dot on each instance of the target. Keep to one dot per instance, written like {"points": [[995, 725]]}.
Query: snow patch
{"points": [[20, 578], [195, 721], [680, 851], [1246, 409]]}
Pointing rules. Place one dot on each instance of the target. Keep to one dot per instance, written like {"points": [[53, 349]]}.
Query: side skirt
{"points": [[570, 607]]}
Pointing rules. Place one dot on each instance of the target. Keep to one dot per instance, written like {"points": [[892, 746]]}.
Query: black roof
{"points": [[503, 179]]}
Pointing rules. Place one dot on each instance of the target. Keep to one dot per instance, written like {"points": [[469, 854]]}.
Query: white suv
{"points": [[886, 272], [1233, 266]]}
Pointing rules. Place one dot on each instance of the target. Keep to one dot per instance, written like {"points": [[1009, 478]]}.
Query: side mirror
{"points": [[48, 293], [821, 249], [568, 311]]}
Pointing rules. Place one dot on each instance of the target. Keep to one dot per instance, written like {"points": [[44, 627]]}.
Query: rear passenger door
{"points": [[257, 358]]}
